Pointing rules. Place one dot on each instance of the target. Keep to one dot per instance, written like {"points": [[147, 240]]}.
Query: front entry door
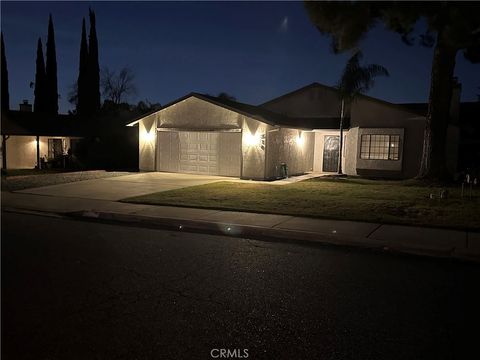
{"points": [[331, 148]]}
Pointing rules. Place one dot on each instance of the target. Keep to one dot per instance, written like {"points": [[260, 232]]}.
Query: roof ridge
{"points": [[315, 83]]}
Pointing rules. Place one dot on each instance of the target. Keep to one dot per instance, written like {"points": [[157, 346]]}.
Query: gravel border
{"points": [[14, 183]]}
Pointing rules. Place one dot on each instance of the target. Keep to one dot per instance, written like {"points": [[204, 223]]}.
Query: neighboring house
{"points": [[202, 134], [30, 139]]}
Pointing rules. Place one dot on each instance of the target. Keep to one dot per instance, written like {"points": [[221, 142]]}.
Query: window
{"points": [[55, 148], [380, 147]]}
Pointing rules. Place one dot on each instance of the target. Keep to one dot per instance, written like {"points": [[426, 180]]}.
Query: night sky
{"points": [[254, 51]]}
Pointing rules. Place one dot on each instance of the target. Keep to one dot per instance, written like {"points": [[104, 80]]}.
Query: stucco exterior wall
{"points": [[22, 150], [350, 154], [194, 113], [311, 102], [367, 113], [147, 140], [292, 147], [253, 151], [372, 113]]}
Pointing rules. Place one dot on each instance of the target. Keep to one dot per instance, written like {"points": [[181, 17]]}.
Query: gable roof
{"points": [[410, 109], [297, 91], [251, 111], [256, 112]]}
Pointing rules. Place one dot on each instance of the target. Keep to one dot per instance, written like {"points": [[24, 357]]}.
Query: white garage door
{"points": [[200, 152]]}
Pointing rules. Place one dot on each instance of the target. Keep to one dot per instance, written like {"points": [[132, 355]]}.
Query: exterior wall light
{"points": [[252, 140], [299, 140], [149, 136]]}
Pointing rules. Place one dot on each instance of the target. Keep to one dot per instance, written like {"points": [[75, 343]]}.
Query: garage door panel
{"points": [[212, 153]]}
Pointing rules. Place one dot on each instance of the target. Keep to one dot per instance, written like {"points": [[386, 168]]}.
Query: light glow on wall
{"points": [[149, 136], [253, 139], [299, 140]]}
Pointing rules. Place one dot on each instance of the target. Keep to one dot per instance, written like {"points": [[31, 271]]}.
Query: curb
{"points": [[271, 235], [257, 233]]}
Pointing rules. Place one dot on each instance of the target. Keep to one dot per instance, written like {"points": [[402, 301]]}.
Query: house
{"points": [[202, 134], [30, 139]]}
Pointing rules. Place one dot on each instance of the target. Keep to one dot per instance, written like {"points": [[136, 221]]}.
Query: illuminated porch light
{"points": [[149, 136], [252, 140], [299, 140]]}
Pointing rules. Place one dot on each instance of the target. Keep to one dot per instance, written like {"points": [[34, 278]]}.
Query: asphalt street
{"points": [[83, 290]]}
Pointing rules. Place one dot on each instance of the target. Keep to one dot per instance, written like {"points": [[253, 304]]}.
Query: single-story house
{"points": [[203, 134], [30, 139]]}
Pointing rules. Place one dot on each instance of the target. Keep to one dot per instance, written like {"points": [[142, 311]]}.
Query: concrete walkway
{"points": [[408, 239]]}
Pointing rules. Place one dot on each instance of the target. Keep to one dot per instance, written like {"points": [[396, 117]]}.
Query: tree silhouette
{"points": [[93, 66], [226, 96], [40, 92], [51, 70], [355, 80], [452, 27], [116, 87], [72, 96], [5, 94], [81, 87]]}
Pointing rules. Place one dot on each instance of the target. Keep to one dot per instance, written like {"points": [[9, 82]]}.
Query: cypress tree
{"points": [[5, 94], [82, 82], [40, 101], [51, 70], [93, 66]]}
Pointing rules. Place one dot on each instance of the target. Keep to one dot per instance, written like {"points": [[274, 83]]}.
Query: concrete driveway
{"points": [[120, 187]]}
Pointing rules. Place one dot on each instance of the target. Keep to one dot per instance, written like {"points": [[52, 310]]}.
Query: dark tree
{"points": [[93, 67], [226, 96], [51, 70], [40, 101], [117, 87], [356, 79], [72, 96], [5, 94], [81, 87], [144, 107], [452, 27]]}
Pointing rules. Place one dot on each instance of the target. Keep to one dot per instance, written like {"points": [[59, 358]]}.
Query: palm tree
{"points": [[355, 80]]}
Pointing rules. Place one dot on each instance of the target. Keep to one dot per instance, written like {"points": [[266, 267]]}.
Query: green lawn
{"points": [[397, 202]]}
